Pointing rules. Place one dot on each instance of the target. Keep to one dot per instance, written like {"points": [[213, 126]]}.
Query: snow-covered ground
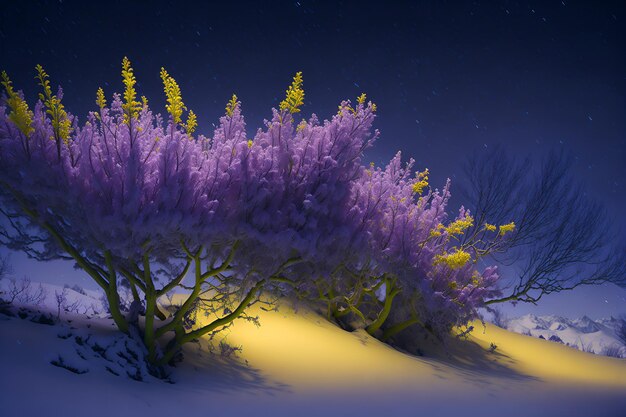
{"points": [[295, 363], [594, 336]]}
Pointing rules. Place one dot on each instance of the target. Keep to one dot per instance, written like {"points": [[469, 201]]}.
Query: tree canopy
{"points": [[141, 201]]}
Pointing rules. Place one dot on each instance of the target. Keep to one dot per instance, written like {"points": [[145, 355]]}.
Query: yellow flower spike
{"points": [[374, 108], [422, 183], [249, 143], [130, 106], [437, 231], [295, 95], [100, 99], [144, 102], [61, 124], [458, 227], [301, 126], [175, 105], [231, 106], [192, 123], [506, 228], [361, 99], [42, 76], [454, 260], [434, 233], [20, 114], [453, 285], [490, 227]]}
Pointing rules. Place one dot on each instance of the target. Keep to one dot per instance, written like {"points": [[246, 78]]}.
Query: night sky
{"points": [[449, 77]]}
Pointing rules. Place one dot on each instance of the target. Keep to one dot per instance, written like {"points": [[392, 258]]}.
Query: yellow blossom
{"points": [[249, 143], [192, 123], [295, 95], [61, 124], [175, 105], [434, 233], [454, 260], [360, 100], [231, 105], [506, 228], [490, 227], [100, 99], [20, 114], [422, 181], [458, 227], [130, 106], [301, 126]]}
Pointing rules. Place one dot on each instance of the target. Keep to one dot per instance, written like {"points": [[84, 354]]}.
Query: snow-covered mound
{"points": [[295, 363], [594, 336], [61, 299]]}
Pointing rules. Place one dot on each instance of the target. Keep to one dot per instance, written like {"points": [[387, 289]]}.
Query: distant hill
{"points": [[586, 334]]}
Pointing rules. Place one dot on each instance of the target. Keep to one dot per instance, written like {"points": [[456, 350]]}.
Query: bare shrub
{"points": [[227, 350], [23, 292], [61, 299], [498, 317], [64, 304], [74, 307]]}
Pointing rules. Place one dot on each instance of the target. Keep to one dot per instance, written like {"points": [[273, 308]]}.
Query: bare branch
{"points": [[563, 238]]}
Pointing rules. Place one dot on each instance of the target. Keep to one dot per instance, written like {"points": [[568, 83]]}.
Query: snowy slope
{"points": [[585, 334], [294, 364], [71, 299]]}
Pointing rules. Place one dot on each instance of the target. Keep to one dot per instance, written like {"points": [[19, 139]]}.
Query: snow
{"points": [[294, 364], [583, 333]]}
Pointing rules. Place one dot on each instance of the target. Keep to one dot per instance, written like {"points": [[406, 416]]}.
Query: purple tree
{"points": [[409, 251], [137, 201]]}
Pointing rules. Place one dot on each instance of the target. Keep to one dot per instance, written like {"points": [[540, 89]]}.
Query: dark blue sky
{"points": [[448, 77]]}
